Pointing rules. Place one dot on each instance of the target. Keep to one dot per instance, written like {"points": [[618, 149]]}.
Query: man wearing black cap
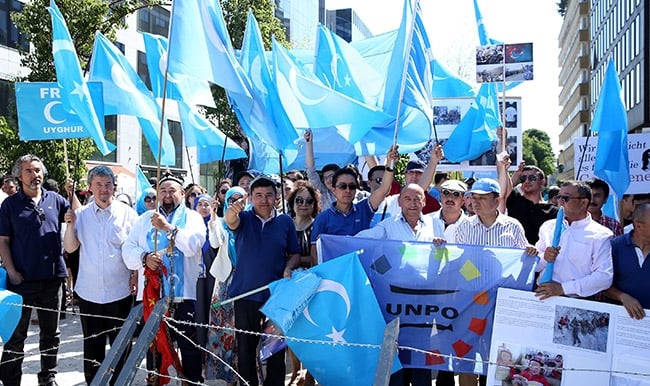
{"points": [[178, 234]]}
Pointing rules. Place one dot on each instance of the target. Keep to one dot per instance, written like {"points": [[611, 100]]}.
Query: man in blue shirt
{"points": [[631, 265], [30, 246], [267, 250]]}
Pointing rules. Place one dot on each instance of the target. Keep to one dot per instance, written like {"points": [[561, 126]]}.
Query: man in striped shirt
{"points": [[491, 228]]}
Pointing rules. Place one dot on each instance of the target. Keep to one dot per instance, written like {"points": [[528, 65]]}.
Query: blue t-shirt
{"points": [[35, 234], [629, 277], [262, 252], [334, 222]]}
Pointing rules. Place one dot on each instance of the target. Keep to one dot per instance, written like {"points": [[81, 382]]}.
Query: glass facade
{"points": [[153, 20], [9, 35], [148, 158]]}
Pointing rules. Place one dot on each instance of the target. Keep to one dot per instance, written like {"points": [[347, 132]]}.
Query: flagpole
{"points": [[504, 135], [187, 152], [404, 72]]}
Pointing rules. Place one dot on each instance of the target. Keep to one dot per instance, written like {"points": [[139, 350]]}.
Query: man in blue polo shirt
{"points": [[267, 249], [344, 217], [30, 246]]}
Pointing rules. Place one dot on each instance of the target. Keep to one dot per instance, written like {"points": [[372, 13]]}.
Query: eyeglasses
{"points": [[223, 191], [454, 193], [568, 198], [150, 199], [194, 194], [531, 178], [378, 179], [40, 212], [347, 186], [304, 201], [233, 199]]}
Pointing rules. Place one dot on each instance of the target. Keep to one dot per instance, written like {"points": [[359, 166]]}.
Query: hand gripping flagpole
{"points": [[547, 276], [407, 57]]}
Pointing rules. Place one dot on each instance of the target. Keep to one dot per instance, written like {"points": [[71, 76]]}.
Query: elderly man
{"points": [[31, 250], [583, 260], [178, 234], [630, 253], [410, 225], [98, 230], [267, 249]]}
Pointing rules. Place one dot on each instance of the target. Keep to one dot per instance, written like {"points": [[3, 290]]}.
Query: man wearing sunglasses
{"points": [[452, 213], [344, 217], [583, 259], [526, 203], [31, 251]]}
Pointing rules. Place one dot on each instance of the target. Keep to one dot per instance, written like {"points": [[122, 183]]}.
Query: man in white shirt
{"points": [[583, 260], [103, 282], [451, 214], [410, 225]]}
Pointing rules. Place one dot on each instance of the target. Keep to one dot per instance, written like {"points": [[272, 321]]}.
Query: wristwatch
{"points": [[171, 234]]}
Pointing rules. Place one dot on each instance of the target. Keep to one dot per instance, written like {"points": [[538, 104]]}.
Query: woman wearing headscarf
{"points": [[221, 342], [146, 201], [203, 205]]}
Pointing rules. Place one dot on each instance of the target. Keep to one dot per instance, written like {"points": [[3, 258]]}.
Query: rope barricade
{"points": [[168, 321]]}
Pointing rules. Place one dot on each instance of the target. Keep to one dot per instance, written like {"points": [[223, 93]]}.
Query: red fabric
{"points": [[161, 341], [431, 205]]}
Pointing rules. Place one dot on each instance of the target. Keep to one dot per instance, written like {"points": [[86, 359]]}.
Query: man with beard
{"points": [[178, 234], [451, 213], [30, 246], [103, 284], [599, 195]]}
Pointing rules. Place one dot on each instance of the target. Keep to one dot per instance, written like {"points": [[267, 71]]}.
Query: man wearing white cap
{"points": [[451, 213]]}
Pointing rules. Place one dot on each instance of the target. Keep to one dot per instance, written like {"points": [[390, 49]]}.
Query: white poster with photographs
{"points": [[638, 152], [565, 341], [447, 113]]}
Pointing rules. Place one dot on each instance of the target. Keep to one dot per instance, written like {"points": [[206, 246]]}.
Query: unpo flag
{"points": [[444, 297]]}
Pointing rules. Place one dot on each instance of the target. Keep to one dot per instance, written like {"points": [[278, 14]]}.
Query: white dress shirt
{"points": [[103, 276], [397, 228], [584, 264], [450, 230]]}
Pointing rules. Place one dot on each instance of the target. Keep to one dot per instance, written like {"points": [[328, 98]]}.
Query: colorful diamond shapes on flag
{"points": [[477, 326], [461, 348], [433, 358], [381, 265], [482, 298], [409, 251], [441, 254], [469, 271]]}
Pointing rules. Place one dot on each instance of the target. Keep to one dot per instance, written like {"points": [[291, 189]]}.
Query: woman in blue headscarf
{"points": [[146, 201], [221, 342], [205, 283]]}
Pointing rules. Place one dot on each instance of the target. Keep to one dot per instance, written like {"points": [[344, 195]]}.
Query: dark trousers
{"points": [[45, 294], [96, 330], [414, 377], [249, 318], [445, 378], [192, 361]]}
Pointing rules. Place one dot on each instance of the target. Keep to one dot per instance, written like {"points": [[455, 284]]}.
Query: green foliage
{"points": [[561, 7], [538, 150], [83, 18]]}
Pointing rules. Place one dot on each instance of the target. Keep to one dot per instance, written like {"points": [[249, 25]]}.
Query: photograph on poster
{"points": [[581, 328], [446, 115], [424, 154], [491, 54], [519, 71], [489, 73], [511, 114], [527, 367], [519, 53]]}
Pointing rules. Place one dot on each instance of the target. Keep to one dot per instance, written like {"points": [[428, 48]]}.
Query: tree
{"points": [[561, 7], [83, 18], [538, 150]]}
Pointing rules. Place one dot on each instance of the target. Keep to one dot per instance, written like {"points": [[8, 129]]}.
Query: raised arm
{"points": [[430, 171], [378, 195]]}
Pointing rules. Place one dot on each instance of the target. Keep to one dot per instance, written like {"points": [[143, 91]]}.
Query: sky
{"points": [[451, 26]]}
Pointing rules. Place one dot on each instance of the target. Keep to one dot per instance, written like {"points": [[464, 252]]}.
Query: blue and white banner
{"points": [[41, 115], [444, 297]]}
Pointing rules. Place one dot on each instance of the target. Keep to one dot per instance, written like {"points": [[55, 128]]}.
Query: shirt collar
{"points": [[353, 208], [273, 215]]}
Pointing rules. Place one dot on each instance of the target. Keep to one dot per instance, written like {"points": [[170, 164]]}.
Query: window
{"points": [[148, 158], [110, 133], [143, 69], [9, 35], [153, 20]]}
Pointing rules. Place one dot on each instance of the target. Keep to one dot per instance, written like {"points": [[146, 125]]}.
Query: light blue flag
{"points": [[141, 181], [211, 144], [75, 94], [124, 91], [329, 148], [10, 308], [343, 310], [310, 104], [268, 119], [188, 89], [199, 45], [610, 123], [41, 115], [126, 94], [446, 84], [471, 137], [342, 68]]}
